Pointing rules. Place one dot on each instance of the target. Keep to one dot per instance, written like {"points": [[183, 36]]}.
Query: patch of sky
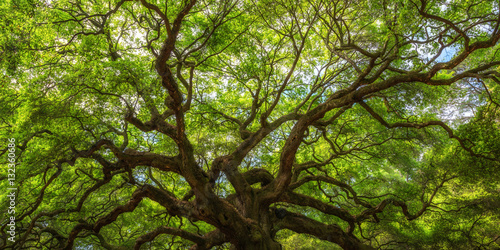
{"points": [[447, 54]]}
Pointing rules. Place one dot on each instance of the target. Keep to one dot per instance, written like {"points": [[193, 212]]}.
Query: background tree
{"points": [[252, 124]]}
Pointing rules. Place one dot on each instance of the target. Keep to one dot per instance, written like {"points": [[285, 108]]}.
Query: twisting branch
{"points": [[423, 125], [333, 233], [150, 236]]}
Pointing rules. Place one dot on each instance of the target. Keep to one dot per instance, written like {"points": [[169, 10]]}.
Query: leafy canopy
{"points": [[251, 124]]}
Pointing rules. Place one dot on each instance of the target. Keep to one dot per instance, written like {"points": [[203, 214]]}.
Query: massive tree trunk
{"points": [[264, 243]]}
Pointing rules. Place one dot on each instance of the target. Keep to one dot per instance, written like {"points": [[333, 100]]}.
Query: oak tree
{"points": [[251, 124]]}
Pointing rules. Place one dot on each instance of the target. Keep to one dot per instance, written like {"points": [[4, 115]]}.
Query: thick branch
{"points": [[168, 230], [333, 233]]}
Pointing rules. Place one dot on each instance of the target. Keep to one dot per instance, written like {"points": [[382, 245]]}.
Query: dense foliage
{"points": [[250, 124]]}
